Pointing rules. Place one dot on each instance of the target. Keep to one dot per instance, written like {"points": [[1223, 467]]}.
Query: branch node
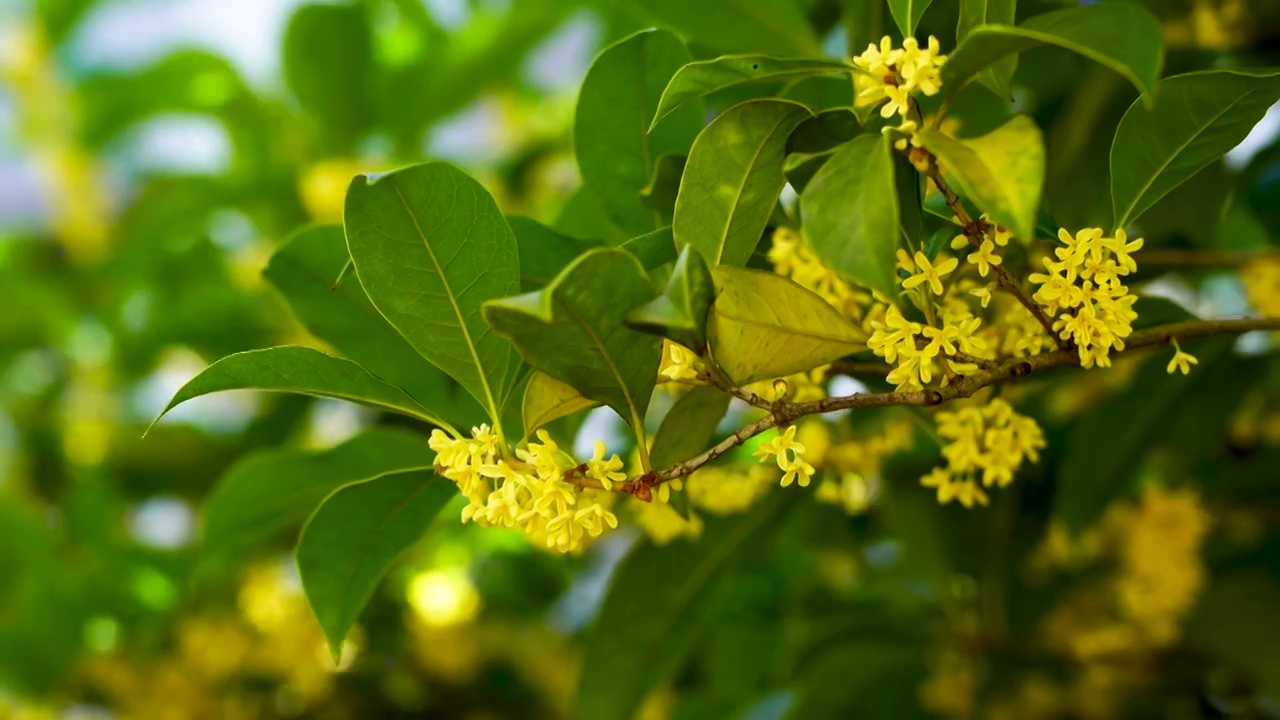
{"points": [[1022, 369], [933, 397]]}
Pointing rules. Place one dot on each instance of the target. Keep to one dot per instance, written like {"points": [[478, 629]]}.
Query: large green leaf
{"points": [[304, 270], [429, 246], [659, 602], [975, 13], [689, 426], [543, 251], [850, 213], [660, 194], [355, 536], [907, 14], [707, 76], [1001, 172], [616, 152], [680, 312], [733, 178], [1120, 35], [304, 370], [546, 398], [764, 326], [1197, 118], [776, 27], [329, 66], [573, 330], [274, 490]]}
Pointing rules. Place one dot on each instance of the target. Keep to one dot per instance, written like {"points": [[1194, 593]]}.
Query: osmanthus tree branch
{"points": [[785, 413], [974, 231]]}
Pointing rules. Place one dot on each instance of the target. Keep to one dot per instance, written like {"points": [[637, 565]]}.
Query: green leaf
{"points": [[975, 13], [907, 14], [733, 179], [776, 27], [573, 330], [910, 202], [660, 194], [765, 326], [271, 491], [801, 167], [850, 213], [654, 249], [304, 270], [543, 251], [329, 67], [704, 77], [1196, 119], [680, 312], [304, 370], [1237, 622], [826, 131], [546, 399], [616, 153], [1120, 35], [429, 246], [689, 426], [658, 604], [1001, 172], [356, 535], [584, 217]]}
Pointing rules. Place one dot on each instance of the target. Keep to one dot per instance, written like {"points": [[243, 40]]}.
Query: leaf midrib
{"points": [[792, 331], [1181, 149], [737, 197], [604, 355], [453, 301]]}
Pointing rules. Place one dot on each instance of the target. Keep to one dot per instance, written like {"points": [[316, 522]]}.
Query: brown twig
{"points": [[976, 233], [782, 414]]}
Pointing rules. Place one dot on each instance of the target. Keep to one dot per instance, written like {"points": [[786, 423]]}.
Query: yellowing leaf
{"points": [[1001, 172], [546, 399], [765, 326]]}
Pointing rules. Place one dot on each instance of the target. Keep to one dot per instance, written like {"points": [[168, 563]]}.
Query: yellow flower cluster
{"points": [[729, 490], [1261, 280], [917, 348], [661, 523], [993, 439], [531, 492], [856, 481], [787, 452], [1156, 545], [793, 260], [893, 74], [1159, 552], [1083, 289]]}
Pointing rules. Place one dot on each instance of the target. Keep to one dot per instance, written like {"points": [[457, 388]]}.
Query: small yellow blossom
{"points": [[993, 440], [679, 363], [930, 273], [788, 453], [1182, 361], [984, 257]]}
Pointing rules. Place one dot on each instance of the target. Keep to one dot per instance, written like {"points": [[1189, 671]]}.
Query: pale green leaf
{"points": [[733, 178], [850, 213], [273, 490], [573, 330], [429, 246], [1120, 35], [616, 152], [546, 399], [765, 326], [707, 76], [1001, 172], [1197, 118], [355, 536], [303, 370]]}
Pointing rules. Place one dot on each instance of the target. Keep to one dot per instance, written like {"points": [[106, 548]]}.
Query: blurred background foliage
{"points": [[154, 153]]}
